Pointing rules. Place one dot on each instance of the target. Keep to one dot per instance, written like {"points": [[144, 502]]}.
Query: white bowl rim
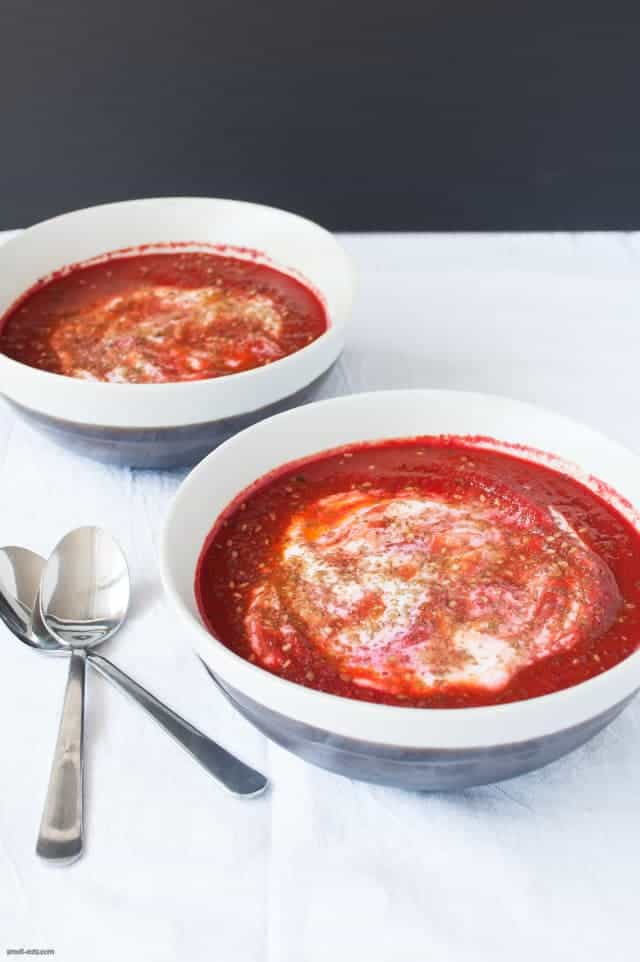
{"points": [[390, 725], [295, 371]]}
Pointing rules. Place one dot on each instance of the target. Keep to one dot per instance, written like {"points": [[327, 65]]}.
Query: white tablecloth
{"points": [[321, 868]]}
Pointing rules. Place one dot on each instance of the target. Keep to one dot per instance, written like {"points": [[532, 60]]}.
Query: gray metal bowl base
{"points": [[424, 769], [155, 447]]}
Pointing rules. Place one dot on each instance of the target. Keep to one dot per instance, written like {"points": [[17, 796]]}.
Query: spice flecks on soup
{"points": [[153, 318], [426, 572], [411, 593], [153, 334]]}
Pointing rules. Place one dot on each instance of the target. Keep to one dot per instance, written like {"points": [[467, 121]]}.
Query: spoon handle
{"points": [[60, 836], [234, 775]]}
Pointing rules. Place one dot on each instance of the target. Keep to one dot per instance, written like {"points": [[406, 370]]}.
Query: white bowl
{"points": [[151, 425], [411, 747]]}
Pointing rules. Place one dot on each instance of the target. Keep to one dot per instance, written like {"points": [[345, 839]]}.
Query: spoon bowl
{"points": [[84, 590], [20, 574]]}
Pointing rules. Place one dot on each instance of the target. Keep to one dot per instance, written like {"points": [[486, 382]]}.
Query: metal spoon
{"points": [[83, 601], [20, 575]]}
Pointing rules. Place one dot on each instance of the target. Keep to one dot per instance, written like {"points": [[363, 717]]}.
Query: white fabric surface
{"points": [[541, 867]]}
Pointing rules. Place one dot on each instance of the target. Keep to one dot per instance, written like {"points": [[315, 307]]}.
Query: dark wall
{"points": [[403, 114]]}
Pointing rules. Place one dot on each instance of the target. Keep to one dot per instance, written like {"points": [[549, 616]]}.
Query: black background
{"points": [[458, 115]]}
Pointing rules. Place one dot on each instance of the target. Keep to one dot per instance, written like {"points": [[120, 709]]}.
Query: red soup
{"points": [[425, 572], [157, 317]]}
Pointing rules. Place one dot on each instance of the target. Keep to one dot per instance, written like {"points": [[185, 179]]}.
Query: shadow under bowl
{"points": [[155, 448], [416, 769]]}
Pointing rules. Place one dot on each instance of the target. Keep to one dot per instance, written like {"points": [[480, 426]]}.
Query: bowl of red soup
{"points": [[145, 332], [429, 589]]}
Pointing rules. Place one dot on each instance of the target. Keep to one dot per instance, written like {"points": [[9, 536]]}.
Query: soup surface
{"points": [[426, 572], [157, 317]]}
